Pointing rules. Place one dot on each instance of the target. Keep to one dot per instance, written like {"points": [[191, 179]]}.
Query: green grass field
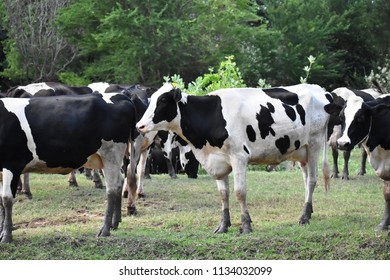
{"points": [[177, 218]]}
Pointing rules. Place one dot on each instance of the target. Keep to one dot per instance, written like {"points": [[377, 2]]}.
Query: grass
{"points": [[177, 219]]}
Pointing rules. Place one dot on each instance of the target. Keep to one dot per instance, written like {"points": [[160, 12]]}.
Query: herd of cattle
{"points": [[53, 128]]}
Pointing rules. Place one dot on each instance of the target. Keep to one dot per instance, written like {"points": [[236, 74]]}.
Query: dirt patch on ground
{"points": [[79, 217]]}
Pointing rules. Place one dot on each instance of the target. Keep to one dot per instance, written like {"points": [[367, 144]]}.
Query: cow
{"points": [[58, 134], [367, 123], [171, 154], [340, 95], [44, 89], [230, 128]]}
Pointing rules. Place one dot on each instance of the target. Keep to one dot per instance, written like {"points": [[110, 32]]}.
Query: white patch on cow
{"points": [[353, 104], [34, 88], [6, 188], [107, 97], [99, 86], [17, 107]]}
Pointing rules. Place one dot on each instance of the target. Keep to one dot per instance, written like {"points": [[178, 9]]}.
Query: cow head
{"points": [[355, 118], [163, 112]]}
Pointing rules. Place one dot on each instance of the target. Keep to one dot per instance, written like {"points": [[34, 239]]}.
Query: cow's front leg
{"points": [[347, 155], [386, 216], [223, 187], [239, 174]]}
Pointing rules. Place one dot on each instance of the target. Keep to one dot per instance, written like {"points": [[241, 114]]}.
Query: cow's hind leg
{"points": [[223, 187], [335, 156], [386, 216], [309, 172]]}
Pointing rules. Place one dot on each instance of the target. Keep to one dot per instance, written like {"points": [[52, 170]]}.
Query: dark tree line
{"points": [[141, 41]]}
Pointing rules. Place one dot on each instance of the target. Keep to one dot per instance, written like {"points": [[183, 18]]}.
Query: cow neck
{"points": [[202, 121], [365, 139]]}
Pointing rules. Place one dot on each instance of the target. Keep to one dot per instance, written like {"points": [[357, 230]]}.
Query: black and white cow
{"points": [[44, 89], [62, 133], [368, 124], [230, 128], [340, 95]]}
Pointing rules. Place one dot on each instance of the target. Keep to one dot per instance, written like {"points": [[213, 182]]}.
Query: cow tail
{"points": [[325, 163]]}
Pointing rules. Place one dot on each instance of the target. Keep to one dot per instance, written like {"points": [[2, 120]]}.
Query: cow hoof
{"points": [[141, 195], [304, 220], [73, 184], [99, 185], [28, 194], [131, 211], [221, 229], [115, 225], [103, 232], [382, 226], [6, 238], [244, 229]]}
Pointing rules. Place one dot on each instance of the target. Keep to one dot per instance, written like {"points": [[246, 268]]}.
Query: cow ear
{"points": [[176, 94], [333, 109]]}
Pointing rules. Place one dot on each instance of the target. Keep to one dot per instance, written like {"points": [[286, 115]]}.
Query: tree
{"points": [[35, 51], [142, 41]]}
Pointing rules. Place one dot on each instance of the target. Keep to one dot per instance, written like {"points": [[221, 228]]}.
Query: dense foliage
{"points": [[134, 41]]}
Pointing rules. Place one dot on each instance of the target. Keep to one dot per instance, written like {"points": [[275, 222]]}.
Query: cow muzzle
{"points": [[344, 143]]}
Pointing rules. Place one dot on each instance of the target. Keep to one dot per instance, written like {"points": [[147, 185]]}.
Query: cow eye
{"points": [[163, 100]]}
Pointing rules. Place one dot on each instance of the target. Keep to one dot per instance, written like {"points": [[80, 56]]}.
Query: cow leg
{"points": [[88, 173], [72, 179], [386, 216], [223, 187], [26, 186], [239, 174], [335, 155], [147, 167], [8, 191], [309, 171], [97, 180], [171, 170], [347, 155], [141, 172], [112, 159], [130, 186], [363, 163]]}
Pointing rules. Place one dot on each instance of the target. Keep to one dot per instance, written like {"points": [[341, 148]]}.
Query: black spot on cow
{"points": [[329, 97], [283, 95], [283, 144], [246, 150], [265, 120], [301, 113], [197, 131], [271, 107], [290, 112], [166, 107], [59, 147], [297, 144], [251, 133]]}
